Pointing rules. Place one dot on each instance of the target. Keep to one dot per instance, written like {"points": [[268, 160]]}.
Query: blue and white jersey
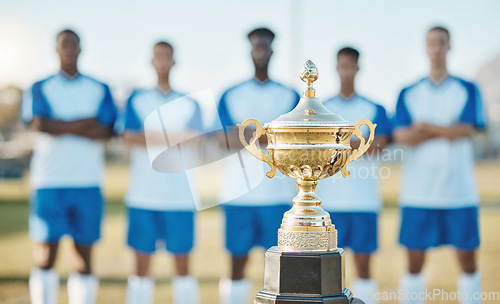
{"points": [[68, 161], [150, 189], [360, 192], [439, 173], [264, 101]]}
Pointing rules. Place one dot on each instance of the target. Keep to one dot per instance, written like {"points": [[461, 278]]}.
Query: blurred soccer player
{"points": [[74, 114], [254, 218], [434, 121], [160, 205], [357, 199]]}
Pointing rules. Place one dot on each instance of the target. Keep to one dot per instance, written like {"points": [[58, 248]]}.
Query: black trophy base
{"points": [[264, 298], [304, 277]]}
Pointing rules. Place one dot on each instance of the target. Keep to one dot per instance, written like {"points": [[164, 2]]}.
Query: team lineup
{"points": [[75, 114]]}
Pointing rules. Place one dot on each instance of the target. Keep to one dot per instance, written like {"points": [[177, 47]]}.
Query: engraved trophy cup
{"points": [[307, 144]]}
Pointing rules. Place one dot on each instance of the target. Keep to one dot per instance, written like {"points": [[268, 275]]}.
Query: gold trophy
{"points": [[308, 143]]}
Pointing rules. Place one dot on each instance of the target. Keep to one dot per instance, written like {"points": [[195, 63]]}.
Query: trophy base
{"points": [[265, 298], [304, 277]]}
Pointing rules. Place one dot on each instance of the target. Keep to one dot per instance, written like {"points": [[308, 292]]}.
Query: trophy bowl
{"points": [[307, 144], [309, 154]]}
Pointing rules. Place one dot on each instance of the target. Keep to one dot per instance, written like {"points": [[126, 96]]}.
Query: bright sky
{"points": [[212, 51]]}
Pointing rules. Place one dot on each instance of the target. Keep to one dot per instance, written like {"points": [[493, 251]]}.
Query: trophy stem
{"points": [[307, 194], [307, 227]]}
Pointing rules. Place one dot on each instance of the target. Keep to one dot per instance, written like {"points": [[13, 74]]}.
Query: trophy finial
{"points": [[309, 74]]}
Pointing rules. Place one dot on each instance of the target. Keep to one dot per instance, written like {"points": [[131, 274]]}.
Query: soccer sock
{"points": [[82, 288], [365, 289], [140, 290], [469, 286], [234, 291], [44, 286], [224, 285], [185, 290], [413, 286]]}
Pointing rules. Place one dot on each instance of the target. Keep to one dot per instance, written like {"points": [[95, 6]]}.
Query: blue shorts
{"points": [[426, 228], [146, 227], [249, 226], [356, 230], [59, 211]]}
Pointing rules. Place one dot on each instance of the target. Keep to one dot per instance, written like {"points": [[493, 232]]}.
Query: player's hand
{"points": [[81, 126], [425, 127], [36, 123], [85, 123]]}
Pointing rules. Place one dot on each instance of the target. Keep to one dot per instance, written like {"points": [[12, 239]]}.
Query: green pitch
{"points": [[113, 260]]}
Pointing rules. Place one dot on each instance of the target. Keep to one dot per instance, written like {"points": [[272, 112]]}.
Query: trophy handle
{"points": [[252, 147], [363, 146]]}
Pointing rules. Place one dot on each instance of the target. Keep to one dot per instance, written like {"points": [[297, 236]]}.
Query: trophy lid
{"points": [[310, 112]]}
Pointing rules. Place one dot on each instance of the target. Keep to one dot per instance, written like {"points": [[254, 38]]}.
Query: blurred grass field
{"points": [[113, 261]]}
